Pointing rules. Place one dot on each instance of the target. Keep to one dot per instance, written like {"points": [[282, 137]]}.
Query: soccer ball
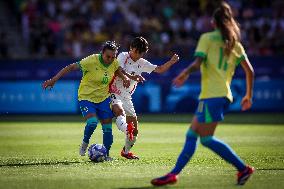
{"points": [[97, 152]]}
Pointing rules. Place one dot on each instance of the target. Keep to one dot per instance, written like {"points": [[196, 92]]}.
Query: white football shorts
{"points": [[126, 104]]}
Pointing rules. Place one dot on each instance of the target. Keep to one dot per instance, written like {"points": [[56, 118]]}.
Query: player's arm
{"points": [[121, 73], [183, 76], [51, 82], [247, 99], [137, 78], [166, 66]]}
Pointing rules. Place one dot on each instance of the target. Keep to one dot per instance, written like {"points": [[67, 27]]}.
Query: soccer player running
{"points": [[93, 93], [218, 53], [132, 64]]}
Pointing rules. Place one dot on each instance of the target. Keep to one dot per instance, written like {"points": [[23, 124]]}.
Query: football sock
{"points": [[187, 152], [223, 150], [129, 143], [121, 123], [107, 136], [89, 128]]}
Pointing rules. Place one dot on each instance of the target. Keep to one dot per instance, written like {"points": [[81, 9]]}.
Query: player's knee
{"points": [[92, 122], [191, 134], [117, 110], [205, 141]]}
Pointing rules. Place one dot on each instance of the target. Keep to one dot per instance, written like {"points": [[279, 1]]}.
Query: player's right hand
{"points": [[138, 78], [126, 82], [48, 84], [175, 58], [180, 79], [246, 103]]}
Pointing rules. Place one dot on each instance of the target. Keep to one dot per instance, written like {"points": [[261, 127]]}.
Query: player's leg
{"points": [[226, 152], [107, 133], [184, 157], [119, 113], [105, 115], [89, 113], [132, 124], [214, 109], [189, 147], [125, 152]]}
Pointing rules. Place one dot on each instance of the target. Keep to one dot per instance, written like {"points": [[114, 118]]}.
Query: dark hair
{"points": [[229, 28], [111, 45], [140, 43]]}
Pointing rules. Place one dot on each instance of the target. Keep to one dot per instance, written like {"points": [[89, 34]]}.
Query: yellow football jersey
{"points": [[217, 69], [97, 75]]}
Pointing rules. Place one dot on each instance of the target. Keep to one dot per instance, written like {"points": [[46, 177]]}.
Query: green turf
{"points": [[44, 155]]}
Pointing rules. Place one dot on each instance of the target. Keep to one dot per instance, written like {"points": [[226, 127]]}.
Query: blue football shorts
{"points": [[102, 109], [212, 109]]}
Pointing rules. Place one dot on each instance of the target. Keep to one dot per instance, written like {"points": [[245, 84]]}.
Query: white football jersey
{"points": [[133, 68]]}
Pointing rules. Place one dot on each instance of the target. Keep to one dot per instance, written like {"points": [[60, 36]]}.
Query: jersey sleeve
{"points": [[147, 66], [116, 64], [84, 63], [240, 53], [202, 47], [121, 60]]}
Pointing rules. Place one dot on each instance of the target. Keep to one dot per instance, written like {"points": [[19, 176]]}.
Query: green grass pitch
{"points": [[45, 155]]}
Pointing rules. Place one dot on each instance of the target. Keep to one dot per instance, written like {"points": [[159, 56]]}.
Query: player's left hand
{"points": [[246, 103], [175, 58]]}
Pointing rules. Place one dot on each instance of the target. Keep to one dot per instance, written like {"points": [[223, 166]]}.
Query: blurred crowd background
{"points": [[76, 28]]}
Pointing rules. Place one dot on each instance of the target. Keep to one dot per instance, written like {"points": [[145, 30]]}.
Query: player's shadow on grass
{"points": [[270, 169], [144, 187], [149, 187], [41, 163]]}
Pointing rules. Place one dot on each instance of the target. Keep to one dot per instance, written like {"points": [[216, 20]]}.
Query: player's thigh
{"points": [[116, 104], [88, 109], [203, 129]]}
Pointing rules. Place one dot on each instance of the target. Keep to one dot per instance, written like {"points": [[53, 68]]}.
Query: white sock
{"points": [[128, 144], [121, 123]]}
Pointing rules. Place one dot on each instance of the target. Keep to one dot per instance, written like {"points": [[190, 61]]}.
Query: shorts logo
{"points": [[84, 109], [200, 107]]}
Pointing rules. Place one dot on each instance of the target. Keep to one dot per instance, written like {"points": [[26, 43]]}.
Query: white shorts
{"points": [[126, 104]]}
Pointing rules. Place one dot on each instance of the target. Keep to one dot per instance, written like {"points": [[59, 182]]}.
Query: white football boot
{"points": [[83, 148]]}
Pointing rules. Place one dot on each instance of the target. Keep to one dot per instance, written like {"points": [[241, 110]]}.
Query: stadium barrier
{"points": [[152, 97]]}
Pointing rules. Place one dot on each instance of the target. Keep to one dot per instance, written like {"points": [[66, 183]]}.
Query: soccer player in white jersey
{"points": [[133, 65]]}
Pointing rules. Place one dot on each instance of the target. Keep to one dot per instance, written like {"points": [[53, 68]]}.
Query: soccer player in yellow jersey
{"points": [[93, 94], [217, 55]]}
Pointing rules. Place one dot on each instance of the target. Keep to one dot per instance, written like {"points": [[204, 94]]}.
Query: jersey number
{"points": [[105, 80], [223, 64]]}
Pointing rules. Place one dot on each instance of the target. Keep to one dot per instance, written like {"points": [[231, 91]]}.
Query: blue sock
{"points": [[89, 128], [187, 152], [107, 136], [223, 150]]}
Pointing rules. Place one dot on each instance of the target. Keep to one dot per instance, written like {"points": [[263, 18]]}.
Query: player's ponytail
{"points": [[227, 25]]}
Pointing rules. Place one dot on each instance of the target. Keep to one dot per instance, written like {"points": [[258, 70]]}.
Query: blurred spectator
{"points": [[77, 27]]}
